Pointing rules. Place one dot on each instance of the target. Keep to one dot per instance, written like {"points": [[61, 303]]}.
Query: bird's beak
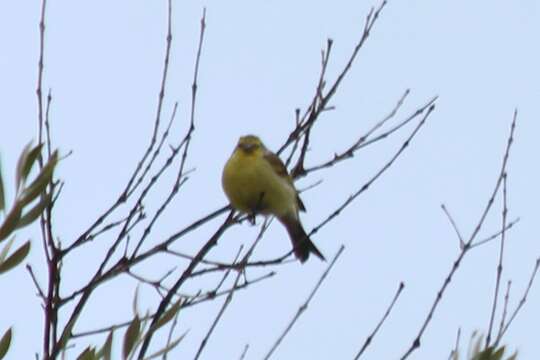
{"points": [[247, 147]]}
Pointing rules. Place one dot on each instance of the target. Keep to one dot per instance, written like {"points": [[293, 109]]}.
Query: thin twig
{"points": [[416, 342], [36, 283], [304, 306], [244, 352], [213, 295], [39, 87], [320, 102], [499, 266], [454, 226], [374, 332], [229, 297], [521, 302], [170, 335], [56, 347], [136, 177], [365, 139], [496, 235], [505, 310], [185, 275], [455, 351]]}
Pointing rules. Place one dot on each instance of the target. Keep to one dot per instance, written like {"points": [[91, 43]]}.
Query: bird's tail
{"points": [[302, 245]]}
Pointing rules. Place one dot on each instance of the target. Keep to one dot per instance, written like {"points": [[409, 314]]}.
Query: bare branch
{"points": [[416, 343], [228, 300], [521, 302], [500, 265], [320, 102], [304, 306], [374, 332], [136, 177], [454, 353], [185, 275], [505, 310], [454, 226], [377, 175], [244, 352]]}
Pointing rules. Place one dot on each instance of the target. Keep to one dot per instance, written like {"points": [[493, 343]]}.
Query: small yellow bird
{"points": [[256, 181]]}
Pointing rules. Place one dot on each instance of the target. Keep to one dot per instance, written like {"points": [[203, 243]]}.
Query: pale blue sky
{"points": [[260, 61]]}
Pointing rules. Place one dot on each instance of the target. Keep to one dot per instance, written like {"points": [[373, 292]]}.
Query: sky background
{"points": [[260, 61]]}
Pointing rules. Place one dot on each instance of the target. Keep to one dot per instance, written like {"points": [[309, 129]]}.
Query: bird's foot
{"points": [[251, 218]]}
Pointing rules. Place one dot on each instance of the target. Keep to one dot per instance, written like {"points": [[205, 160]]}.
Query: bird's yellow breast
{"points": [[252, 185]]}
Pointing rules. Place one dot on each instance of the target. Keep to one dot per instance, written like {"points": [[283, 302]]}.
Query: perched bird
{"points": [[257, 182]]}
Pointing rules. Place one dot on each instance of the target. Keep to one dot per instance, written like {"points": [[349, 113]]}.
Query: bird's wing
{"points": [[280, 169], [277, 165]]}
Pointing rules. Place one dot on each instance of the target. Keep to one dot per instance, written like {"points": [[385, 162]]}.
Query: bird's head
{"points": [[250, 144]]}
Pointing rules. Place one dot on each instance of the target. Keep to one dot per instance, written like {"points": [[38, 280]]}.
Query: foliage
{"points": [[479, 352], [30, 201]]}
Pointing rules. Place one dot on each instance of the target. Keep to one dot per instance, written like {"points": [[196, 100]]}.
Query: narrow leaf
{"points": [[167, 348], [40, 182], [497, 355], [6, 248], [5, 342], [34, 213], [66, 334], [10, 222], [30, 160], [131, 337], [16, 258], [2, 193], [88, 354], [169, 314], [105, 351], [20, 165]]}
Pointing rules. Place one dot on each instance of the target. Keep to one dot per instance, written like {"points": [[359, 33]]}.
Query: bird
{"points": [[256, 181]]}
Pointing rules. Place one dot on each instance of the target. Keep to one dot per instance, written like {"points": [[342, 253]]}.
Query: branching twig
{"points": [[454, 226], [319, 104], [377, 175], [416, 343], [229, 297], [505, 310], [136, 177], [185, 275], [521, 302]]}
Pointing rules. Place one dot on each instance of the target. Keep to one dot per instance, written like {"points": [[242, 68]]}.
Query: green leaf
{"points": [[35, 212], [40, 182], [30, 160], [2, 193], [498, 354], [169, 314], [16, 258], [10, 222], [5, 342], [131, 337], [66, 334], [88, 354], [19, 179], [105, 351], [6, 248], [167, 348]]}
